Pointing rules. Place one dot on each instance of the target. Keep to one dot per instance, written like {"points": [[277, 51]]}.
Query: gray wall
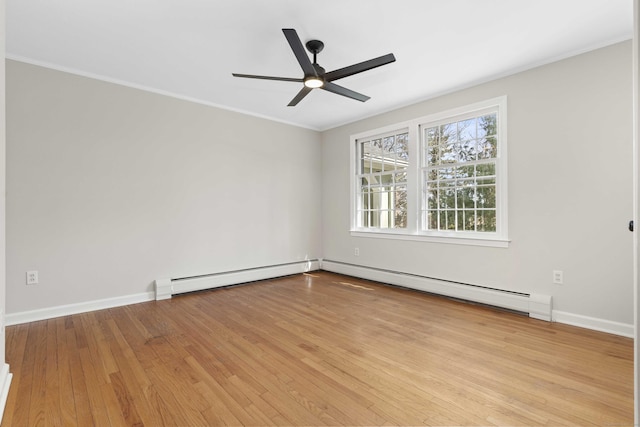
{"points": [[109, 188], [570, 189]]}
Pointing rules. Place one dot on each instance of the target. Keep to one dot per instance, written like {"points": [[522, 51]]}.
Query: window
{"points": [[382, 181], [459, 174], [438, 178]]}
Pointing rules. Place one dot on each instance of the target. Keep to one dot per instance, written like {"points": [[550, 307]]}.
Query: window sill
{"points": [[468, 241]]}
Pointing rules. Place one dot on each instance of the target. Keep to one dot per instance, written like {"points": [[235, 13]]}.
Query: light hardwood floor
{"points": [[314, 349]]}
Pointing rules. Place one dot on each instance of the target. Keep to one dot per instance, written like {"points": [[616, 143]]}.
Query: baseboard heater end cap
{"points": [[540, 307], [164, 289]]}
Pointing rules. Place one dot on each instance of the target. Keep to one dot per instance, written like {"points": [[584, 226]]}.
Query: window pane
{"points": [[486, 197], [465, 172], [432, 199], [486, 221], [385, 219], [432, 156], [374, 219], [388, 143], [431, 175], [467, 130], [400, 219], [447, 133], [465, 198], [431, 135], [446, 174], [447, 198], [490, 180], [467, 151], [448, 220], [448, 153], [364, 200], [460, 221], [376, 155], [400, 206], [487, 125], [400, 198], [468, 221], [402, 147], [431, 220], [365, 157], [488, 148], [386, 178], [400, 177], [486, 169], [363, 218]]}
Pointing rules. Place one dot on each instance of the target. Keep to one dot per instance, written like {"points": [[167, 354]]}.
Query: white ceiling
{"points": [[189, 48]]}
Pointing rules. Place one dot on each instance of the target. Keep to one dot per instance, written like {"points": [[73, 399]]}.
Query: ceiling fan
{"points": [[315, 77]]}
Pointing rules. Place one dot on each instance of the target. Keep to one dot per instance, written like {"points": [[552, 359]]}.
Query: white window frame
{"points": [[414, 190], [393, 186]]}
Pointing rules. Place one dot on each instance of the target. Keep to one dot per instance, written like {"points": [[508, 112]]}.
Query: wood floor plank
{"points": [[80, 400], [64, 391], [314, 349], [150, 406], [53, 369], [93, 383]]}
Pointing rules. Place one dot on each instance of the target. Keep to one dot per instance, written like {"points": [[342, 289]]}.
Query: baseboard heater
{"points": [[165, 288], [536, 305]]}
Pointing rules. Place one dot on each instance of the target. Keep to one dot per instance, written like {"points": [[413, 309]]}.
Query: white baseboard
{"points": [[83, 307], [181, 286], [538, 306], [602, 325], [5, 383], [165, 288]]}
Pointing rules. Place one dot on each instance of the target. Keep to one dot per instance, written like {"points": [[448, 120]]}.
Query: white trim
{"points": [[167, 287], [5, 383], [495, 297], [540, 307], [100, 77], [469, 241], [82, 307], [593, 323]]}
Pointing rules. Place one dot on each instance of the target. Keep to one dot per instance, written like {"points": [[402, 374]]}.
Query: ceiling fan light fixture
{"points": [[313, 82]]}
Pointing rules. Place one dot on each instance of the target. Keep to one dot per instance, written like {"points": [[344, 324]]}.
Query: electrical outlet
{"points": [[356, 251], [558, 277], [32, 277]]}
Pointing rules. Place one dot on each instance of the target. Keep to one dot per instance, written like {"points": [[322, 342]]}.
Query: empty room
{"points": [[365, 212]]}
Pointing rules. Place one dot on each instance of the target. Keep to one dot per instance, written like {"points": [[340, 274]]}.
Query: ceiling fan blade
{"points": [[334, 88], [360, 67], [282, 79], [299, 52], [303, 92]]}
